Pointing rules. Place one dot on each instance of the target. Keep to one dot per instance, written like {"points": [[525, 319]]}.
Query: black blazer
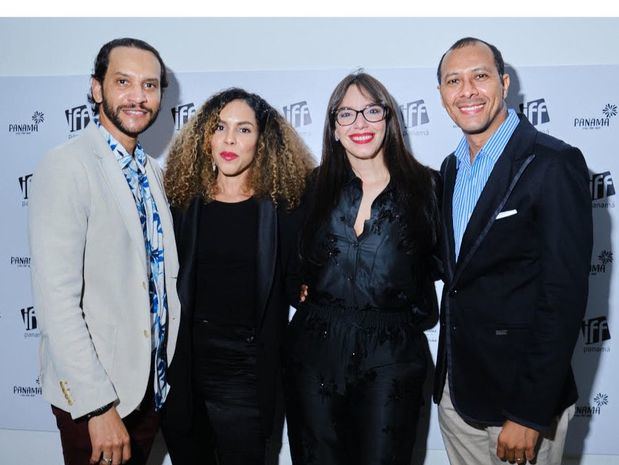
{"points": [[277, 286], [514, 300]]}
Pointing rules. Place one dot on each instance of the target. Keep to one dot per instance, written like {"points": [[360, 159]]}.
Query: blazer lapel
{"points": [[119, 189], [266, 255], [449, 181], [186, 225], [506, 172]]}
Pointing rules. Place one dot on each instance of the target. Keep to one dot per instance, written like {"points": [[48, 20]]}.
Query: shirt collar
{"points": [[494, 146], [352, 180], [349, 174], [117, 146]]}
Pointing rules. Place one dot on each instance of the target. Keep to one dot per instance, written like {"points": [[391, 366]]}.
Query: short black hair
{"points": [[103, 60], [498, 58]]}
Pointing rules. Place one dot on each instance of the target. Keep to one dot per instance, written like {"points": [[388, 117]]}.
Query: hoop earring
{"points": [[214, 167]]}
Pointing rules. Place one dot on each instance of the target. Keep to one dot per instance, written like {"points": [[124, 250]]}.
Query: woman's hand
{"points": [[303, 293]]}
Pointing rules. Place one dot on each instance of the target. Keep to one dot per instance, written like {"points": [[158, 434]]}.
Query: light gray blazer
{"points": [[89, 277]]}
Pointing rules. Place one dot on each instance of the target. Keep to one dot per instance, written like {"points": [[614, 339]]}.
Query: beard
{"points": [[113, 114]]}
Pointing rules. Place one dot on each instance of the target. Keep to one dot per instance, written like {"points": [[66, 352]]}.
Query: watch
{"points": [[99, 411]]}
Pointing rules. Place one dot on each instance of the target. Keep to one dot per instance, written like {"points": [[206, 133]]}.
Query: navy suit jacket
{"points": [[514, 299]]}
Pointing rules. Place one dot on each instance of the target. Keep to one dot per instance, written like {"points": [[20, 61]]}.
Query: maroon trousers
{"points": [[142, 426]]}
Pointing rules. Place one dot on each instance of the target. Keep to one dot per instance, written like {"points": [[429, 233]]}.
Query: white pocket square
{"points": [[506, 213]]}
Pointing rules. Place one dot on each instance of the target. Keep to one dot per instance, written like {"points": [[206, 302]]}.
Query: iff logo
{"points": [[602, 185], [29, 317], [536, 111], [77, 118], [182, 113], [415, 113], [24, 186], [298, 114], [595, 330]]}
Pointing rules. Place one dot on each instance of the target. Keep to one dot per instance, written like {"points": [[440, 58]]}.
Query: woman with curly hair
{"points": [[357, 352], [235, 176]]}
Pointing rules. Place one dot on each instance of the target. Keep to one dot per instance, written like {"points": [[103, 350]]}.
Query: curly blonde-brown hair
{"points": [[279, 169]]}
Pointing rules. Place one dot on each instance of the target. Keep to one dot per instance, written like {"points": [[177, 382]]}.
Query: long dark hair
{"points": [[414, 183]]}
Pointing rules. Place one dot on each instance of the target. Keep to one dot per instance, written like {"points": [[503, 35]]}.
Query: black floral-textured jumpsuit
{"points": [[356, 353]]}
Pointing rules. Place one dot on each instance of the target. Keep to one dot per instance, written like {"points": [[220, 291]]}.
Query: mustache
{"points": [[134, 107]]}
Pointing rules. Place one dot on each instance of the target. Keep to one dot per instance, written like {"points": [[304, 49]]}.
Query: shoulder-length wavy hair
{"points": [[279, 169], [414, 183]]}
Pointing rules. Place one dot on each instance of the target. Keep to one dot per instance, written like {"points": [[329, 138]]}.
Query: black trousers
{"points": [[354, 381], [196, 446], [225, 379]]}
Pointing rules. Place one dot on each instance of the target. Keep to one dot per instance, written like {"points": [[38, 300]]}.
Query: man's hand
{"points": [[109, 439], [516, 443]]}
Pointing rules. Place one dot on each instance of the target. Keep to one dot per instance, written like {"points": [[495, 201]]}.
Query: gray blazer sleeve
{"points": [[59, 209]]}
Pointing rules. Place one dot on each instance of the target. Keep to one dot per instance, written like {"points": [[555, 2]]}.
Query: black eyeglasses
{"points": [[372, 114]]}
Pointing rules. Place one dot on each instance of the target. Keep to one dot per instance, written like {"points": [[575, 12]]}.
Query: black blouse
{"points": [[226, 263], [375, 271]]}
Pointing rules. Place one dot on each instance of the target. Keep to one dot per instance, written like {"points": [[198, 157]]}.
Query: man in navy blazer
{"points": [[517, 243]]}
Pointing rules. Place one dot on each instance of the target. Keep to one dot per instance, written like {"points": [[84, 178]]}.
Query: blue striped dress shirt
{"points": [[471, 178]]}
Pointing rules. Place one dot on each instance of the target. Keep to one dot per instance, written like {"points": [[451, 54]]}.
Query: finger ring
{"points": [[106, 460]]}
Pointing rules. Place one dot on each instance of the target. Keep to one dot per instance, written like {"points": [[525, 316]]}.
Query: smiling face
{"points": [[130, 94], [473, 93], [361, 139], [234, 142]]}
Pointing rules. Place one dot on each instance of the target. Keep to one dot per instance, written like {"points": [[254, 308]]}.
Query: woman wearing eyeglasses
{"points": [[357, 354]]}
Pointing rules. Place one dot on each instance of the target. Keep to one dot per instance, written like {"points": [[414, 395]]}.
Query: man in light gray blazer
{"points": [[104, 268]]}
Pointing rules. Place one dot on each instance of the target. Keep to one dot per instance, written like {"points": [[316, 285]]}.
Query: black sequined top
{"points": [[375, 271]]}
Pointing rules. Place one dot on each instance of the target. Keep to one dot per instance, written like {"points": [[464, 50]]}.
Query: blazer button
{"points": [[453, 293], [453, 328]]}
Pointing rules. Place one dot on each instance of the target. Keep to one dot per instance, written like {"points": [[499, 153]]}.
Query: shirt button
{"points": [[144, 285], [146, 333]]}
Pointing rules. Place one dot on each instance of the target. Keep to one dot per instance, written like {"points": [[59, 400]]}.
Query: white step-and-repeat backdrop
{"points": [[575, 103]]}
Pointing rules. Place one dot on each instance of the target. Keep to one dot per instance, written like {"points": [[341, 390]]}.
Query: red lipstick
{"points": [[228, 156], [362, 138]]}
